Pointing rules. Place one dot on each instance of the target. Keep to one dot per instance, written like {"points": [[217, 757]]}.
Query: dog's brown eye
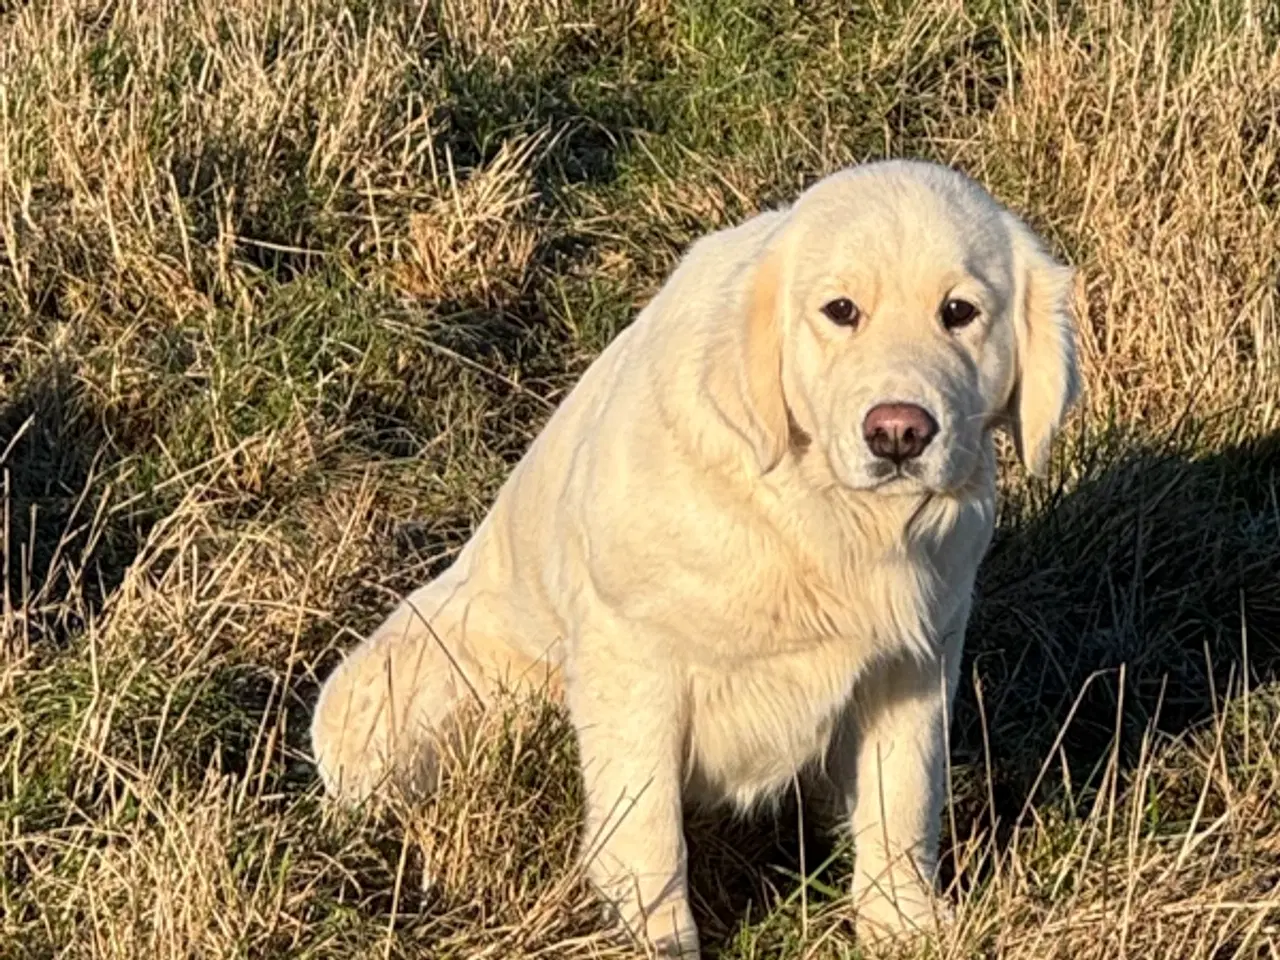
{"points": [[842, 311], [958, 313]]}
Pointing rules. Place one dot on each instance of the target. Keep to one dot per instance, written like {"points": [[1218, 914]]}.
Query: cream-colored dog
{"points": [[745, 543]]}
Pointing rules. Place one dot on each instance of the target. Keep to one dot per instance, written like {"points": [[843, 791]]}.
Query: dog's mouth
{"points": [[887, 474], [909, 479], [913, 479], [884, 476]]}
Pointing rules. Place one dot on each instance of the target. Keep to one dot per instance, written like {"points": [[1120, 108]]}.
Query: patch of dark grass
{"points": [[1123, 607]]}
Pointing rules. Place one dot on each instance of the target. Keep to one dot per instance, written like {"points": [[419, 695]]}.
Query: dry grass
{"points": [[287, 285], [475, 242]]}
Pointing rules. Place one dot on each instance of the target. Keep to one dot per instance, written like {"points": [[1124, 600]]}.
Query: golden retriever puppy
{"points": [[744, 545]]}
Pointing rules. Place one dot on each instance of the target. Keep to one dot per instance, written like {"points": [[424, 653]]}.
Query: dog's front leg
{"points": [[889, 763], [629, 721]]}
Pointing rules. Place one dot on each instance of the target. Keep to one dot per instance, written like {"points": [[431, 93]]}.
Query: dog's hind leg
{"points": [[382, 713]]}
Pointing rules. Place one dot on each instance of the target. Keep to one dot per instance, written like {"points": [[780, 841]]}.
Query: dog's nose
{"points": [[898, 431]]}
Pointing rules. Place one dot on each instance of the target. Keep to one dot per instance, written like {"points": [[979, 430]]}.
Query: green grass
{"points": [[287, 286]]}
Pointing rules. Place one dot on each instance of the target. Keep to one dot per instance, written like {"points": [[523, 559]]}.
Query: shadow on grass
{"points": [[1161, 565], [63, 555]]}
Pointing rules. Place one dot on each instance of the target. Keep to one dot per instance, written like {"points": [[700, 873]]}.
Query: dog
{"points": [[744, 546]]}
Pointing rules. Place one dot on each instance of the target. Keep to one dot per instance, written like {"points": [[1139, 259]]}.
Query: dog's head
{"points": [[894, 315]]}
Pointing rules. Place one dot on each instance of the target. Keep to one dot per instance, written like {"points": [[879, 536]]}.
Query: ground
{"points": [[287, 286]]}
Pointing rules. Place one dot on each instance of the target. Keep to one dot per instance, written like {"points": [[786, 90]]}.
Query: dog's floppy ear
{"points": [[744, 374], [1047, 381]]}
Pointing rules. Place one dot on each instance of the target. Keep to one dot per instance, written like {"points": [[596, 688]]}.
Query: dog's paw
{"points": [[666, 933], [911, 913]]}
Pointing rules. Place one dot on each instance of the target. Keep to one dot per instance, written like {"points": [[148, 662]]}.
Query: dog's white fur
{"points": [[702, 550]]}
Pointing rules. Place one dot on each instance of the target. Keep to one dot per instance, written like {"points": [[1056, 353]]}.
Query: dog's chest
{"points": [[769, 701], [753, 725]]}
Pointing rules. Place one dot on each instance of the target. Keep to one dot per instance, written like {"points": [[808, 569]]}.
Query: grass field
{"points": [[287, 286]]}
